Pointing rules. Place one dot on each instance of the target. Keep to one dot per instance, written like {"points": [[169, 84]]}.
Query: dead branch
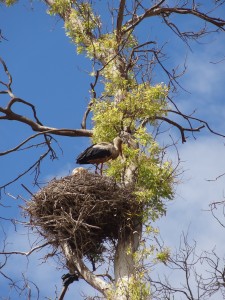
{"points": [[35, 167], [93, 92], [92, 279], [8, 85], [2, 37], [36, 126], [22, 144], [217, 177], [191, 118], [28, 253], [218, 215], [63, 293], [181, 128], [188, 265], [156, 10]]}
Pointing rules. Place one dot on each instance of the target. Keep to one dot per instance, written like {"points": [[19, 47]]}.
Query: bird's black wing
{"points": [[92, 153]]}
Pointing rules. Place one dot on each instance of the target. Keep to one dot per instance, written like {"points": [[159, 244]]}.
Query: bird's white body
{"points": [[79, 171]]}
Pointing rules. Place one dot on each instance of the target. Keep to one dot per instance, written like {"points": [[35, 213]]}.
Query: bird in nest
{"points": [[100, 153]]}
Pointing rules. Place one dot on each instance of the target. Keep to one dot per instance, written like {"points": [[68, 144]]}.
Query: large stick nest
{"points": [[84, 210]]}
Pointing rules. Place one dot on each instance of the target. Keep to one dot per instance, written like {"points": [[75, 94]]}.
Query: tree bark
{"points": [[124, 263], [74, 263]]}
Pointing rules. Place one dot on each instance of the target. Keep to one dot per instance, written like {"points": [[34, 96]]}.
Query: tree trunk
{"points": [[124, 263]]}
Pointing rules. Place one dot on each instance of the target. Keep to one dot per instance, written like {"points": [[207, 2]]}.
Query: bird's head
{"points": [[117, 142], [79, 171]]}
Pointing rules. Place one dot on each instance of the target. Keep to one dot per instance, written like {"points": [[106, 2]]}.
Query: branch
{"points": [[120, 18], [25, 253], [22, 143], [172, 77], [37, 126], [8, 85], [67, 280], [19, 100], [74, 260], [213, 206], [64, 290], [181, 128], [35, 166], [2, 37], [188, 118], [83, 124], [92, 279], [156, 10]]}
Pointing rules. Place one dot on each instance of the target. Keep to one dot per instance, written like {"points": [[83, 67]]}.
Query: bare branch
{"points": [[217, 177], [63, 293], [188, 265], [189, 118], [175, 124], [83, 124], [2, 37], [8, 85], [21, 144], [28, 253], [19, 100], [156, 10], [35, 166], [219, 216], [87, 275], [36, 126]]}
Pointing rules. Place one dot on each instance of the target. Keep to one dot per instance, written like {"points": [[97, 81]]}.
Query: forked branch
{"points": [[8, 113], [158, 10]]}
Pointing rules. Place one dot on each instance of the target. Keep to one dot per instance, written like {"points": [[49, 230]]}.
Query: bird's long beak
{"points": [[121, 152]]}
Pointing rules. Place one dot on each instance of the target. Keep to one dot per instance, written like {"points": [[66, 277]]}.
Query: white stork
{"points": [[79, 171], [100, 153]]}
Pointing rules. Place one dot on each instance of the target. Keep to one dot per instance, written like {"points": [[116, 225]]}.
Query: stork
{"points": [[79, 171], [101, 153]]}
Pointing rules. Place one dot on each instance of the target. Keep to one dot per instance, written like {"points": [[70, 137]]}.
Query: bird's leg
{"points": [[96, 168], [101, 169]]}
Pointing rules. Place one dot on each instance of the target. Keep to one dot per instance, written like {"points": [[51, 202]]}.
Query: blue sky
{"points": [[47, 72]]}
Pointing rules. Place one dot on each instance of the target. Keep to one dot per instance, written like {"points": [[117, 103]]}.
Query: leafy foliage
{"points": [[81, 35], [9, 2], [60, 7], [137, 289], [164, 255], [140, 103], [153, 177]]}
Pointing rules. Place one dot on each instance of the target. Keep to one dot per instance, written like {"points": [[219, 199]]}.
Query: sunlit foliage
{"points": [[123, 104]]}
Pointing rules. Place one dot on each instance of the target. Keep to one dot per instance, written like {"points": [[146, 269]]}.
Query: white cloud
{"points": [[64, 170], [205, 78], [202, 159], [204, 83]]}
